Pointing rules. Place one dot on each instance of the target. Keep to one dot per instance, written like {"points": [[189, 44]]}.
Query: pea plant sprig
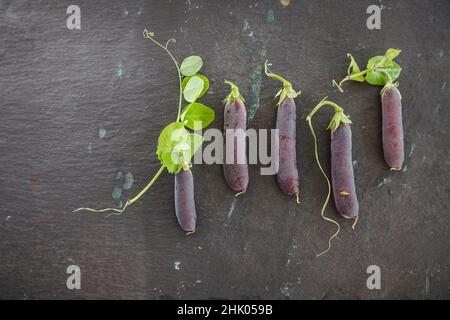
{"points": [[176, 145], [380, 71], [383, 71]]}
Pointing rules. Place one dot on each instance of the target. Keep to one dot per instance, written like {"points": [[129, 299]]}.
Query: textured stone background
{"points": [[81, 112]]}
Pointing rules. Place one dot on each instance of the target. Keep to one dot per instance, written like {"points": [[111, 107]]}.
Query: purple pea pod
{"points": [[184, 200], [287, 175], [235, 119], [342, 177], [392, 128]]}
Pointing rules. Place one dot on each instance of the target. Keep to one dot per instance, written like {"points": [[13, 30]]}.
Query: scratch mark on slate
{"points": [[246, 25], [427, 285], [444, 85], [270, 18], [125, 12], [89, 148], [120, 70], [101, 133], [438, 107], [383, 181], [129, 180], [286, 289], [177, 265], [119, 175], [405, 186], [441, 53], [116, 193], [34, 181], [231, 210], [413, 147], [254, 93]]}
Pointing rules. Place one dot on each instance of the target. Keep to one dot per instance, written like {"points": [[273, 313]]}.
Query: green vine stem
{"points": [[348, 78], [287, 91], [129, 202], [338, 118], [149, 36]]}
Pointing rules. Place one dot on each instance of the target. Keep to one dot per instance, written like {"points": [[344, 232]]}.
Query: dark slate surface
{"points": [[60, 89]]}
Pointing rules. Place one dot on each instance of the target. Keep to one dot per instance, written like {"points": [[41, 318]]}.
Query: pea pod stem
{"points": [[338, 118], [389, 84], [234, 93], [275, 76], [287, 91], [322, 103]]}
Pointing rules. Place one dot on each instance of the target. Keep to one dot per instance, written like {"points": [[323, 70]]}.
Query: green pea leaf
{"points": [[379, 76], [172, 134], [392, 53], [196, 141], [184, 82], [205, 83], [171, 139], [394, 70], [193, 88], [376, 78], [385, 61], [191, 65], [353, 68], [197, 116], [181, 153], [167, 161], [374, 61]]}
